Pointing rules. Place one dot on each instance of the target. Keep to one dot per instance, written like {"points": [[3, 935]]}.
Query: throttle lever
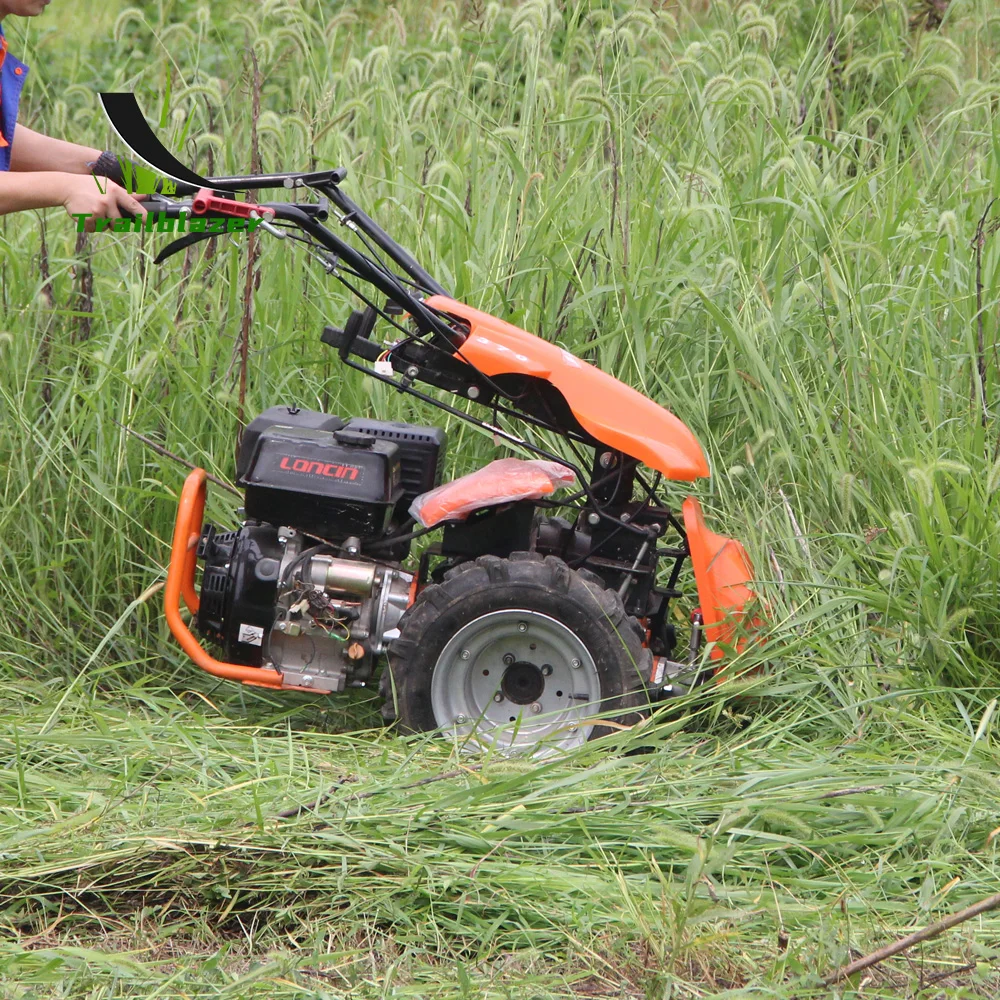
{"points": [[207, 201]]}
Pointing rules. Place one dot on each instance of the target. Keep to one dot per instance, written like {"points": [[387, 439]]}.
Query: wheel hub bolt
{"points": [[466, 654], [546, 669], [498, 696], [460, 720], [522, 626], [508, 659], [575, 663], [535, 708]]}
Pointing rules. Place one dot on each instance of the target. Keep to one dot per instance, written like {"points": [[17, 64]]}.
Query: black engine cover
{"points": [[327, 483], [285, 416]]}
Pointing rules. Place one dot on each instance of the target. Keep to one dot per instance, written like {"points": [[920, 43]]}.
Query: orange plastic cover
{"points": [[612, 412], [722, 571], [501, 481]]}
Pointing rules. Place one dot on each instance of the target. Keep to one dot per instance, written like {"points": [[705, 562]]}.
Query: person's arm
{"points": [[46, 173], [32, 151], [78, 194]]}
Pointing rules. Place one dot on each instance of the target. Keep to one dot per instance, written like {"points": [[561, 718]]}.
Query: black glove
{"points": [[110, 165]]}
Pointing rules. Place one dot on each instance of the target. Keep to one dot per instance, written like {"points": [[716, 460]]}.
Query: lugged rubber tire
{"points": [[525, 581]]}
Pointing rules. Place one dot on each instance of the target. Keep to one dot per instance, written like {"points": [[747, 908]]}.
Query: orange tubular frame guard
{"points": [[180, 583]]}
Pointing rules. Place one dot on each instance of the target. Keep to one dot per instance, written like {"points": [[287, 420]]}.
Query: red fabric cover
{"points": [[501, 481]]}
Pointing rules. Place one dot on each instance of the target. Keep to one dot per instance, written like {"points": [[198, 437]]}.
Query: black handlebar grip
{"points": [[156, 203], [345, 343]]}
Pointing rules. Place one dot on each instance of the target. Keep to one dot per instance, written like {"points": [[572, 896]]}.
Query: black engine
{"points": [[294, 587]]}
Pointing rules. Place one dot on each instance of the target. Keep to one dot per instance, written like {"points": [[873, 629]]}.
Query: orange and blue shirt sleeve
{"points": [[12, 74]]}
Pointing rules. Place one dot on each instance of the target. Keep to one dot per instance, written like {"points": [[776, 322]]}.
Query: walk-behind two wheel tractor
{"points": [[492, 607]]}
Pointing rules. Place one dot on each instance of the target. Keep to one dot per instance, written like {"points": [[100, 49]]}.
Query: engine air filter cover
{"points": [[287, 416], [327, 483]]}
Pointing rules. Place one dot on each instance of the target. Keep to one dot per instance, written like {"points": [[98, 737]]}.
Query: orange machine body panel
{"points": [[722, 571], [612, 412]]}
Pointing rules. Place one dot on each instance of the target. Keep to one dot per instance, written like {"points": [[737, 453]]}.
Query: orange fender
{"points": [[612, 412], [722, 572]]}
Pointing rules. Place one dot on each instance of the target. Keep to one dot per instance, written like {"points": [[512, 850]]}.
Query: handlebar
{"points": [[286, 211], [431, 354], [125, 172], [309, 217]]}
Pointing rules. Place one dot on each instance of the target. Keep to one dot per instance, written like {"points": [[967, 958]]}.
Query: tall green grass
{"points": [[761, 215]]}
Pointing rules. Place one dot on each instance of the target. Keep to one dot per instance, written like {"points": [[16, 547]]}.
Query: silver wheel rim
{"points": [[517, 680]]}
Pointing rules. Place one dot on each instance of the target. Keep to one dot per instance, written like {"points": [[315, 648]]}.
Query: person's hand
{"points": [[82, 196]]}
